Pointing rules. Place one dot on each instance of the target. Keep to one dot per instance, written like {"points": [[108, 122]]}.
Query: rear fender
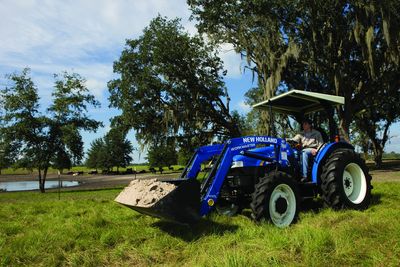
{"points": [[323, 154]]}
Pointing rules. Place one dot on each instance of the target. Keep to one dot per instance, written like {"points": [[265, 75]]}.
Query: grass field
{"points": [[87, 228]]}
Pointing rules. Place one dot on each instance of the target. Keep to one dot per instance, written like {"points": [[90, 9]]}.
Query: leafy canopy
{"points": [[171, 85], [113, 150]]}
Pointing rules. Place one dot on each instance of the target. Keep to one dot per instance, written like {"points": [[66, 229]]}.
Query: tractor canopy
{"points": [[299, 103]]}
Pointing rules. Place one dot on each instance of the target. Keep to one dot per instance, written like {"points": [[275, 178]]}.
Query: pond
{"points": [[33, 185]]}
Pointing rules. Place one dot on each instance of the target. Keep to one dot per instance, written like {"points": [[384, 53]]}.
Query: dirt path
{"points": [[87, 182]]}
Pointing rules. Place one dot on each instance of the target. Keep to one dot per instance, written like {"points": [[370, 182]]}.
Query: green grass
{"points": [[87, 228]]}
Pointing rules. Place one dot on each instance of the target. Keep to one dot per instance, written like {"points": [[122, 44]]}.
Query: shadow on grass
{"points": [[376, 199], [207, 227], [82, 190], [190, 233], [314, 205], [317, 205]]}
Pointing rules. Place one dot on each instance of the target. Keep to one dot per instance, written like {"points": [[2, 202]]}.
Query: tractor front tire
{"points": [[276, 199], [346, 182]]}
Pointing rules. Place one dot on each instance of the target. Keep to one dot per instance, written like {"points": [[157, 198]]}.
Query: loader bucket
{"points": [[181, 205]]}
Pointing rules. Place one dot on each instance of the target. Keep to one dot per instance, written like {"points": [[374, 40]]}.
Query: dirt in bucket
{"points": [[144, 193]]}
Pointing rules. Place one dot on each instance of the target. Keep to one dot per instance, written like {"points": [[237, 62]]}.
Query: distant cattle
{"points": [[152, 170]]}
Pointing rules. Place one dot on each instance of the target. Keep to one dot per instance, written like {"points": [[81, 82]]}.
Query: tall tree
{"points": [[160, 156], [22, 122], [52, 139], [96, 154], [113, 150], [375, 121], [118, 148], [347, 48], [68, 116], [171, 86]]}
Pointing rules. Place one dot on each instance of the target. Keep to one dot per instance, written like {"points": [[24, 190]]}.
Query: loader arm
{"points": [[210, 189], [201, 154]]}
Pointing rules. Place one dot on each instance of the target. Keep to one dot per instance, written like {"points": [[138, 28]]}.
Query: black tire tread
{"points": [[263, 190], [331, 180]]}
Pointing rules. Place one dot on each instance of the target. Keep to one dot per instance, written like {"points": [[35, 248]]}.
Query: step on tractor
{"points": [[263, 173]]}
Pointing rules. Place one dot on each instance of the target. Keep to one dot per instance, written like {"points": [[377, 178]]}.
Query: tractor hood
{"points": [[244, 161], [299, 103]]}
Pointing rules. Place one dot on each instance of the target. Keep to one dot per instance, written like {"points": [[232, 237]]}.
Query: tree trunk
{"points": [[264, 127], [378, 159], [378, 153], [346, 114], [42, 180], [41, 183], [344, 128], [378, 145], [365, 147], [44, 177]]}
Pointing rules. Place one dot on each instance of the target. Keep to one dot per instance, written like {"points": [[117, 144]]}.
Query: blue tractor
{"points": [[263, 173]]}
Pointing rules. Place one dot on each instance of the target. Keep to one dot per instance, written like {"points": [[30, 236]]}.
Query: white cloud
{"points": [[243, 107], [97, 88], [80, 36], [50, 32], [232, 61]]}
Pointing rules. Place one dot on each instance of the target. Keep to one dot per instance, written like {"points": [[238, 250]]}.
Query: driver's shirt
{"points": [[311, 139]]}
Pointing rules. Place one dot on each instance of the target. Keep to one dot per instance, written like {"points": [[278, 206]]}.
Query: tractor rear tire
{"points": [[346, 182], [276, 199]]}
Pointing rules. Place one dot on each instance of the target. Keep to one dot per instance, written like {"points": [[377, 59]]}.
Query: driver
{"points": [[310, 140]]}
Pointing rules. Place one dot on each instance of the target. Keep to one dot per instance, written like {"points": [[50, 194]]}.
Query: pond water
{"points": [[33, 185]]}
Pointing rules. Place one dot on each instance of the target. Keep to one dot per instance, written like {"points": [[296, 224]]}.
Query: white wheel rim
{"points": [[282, 205], [354, 183]]}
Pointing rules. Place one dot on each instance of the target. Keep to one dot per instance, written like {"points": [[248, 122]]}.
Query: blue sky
{"points": [[51, 36]]}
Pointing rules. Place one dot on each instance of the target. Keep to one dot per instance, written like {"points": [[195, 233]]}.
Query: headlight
{"points": [[237, 164]]}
